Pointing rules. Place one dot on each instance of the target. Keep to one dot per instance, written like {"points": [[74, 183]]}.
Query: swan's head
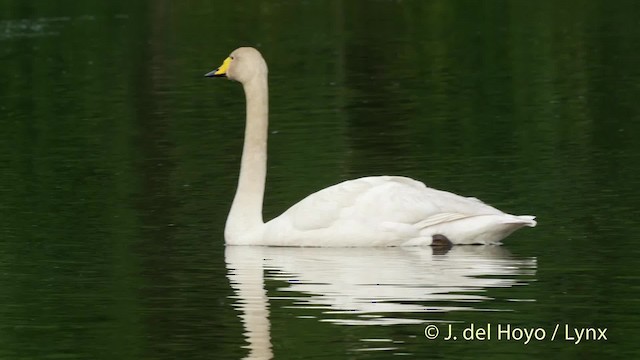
{"points": [[242, 65]]}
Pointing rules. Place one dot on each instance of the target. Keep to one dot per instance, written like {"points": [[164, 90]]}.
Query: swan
{"points": [[369, 211]]}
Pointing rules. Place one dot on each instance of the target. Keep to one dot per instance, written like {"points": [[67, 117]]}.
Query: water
{"points": [[119, 164]]}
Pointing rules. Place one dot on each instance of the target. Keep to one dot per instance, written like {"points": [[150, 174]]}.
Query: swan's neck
{"points": [[245, 216]]}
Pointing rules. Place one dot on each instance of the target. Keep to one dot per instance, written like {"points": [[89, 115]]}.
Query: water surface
{"points": [[118, 164]]}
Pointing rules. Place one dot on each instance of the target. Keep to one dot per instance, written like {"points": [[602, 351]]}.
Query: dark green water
{"points": [[118, 163]]}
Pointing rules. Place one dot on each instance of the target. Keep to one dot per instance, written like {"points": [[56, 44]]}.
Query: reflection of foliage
{"points": [[118, 161]]}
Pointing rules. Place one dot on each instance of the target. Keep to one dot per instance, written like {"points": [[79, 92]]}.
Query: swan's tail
{"points": [[478, 229], [527, 220]]}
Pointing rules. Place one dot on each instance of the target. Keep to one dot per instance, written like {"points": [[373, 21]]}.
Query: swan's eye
{"points": [[231, 57]]}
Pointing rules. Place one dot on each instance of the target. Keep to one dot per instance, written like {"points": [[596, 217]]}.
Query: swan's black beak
{"points": [[221, 71], [214, 73]]}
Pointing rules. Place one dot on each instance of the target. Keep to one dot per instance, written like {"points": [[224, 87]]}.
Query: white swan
{"points": [[370, 211]]}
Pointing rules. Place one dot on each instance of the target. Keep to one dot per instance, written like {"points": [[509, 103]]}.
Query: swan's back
{"points": [[380, 198]]}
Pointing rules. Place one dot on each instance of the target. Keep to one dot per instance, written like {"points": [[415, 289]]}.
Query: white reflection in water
{"points": [[367, 286]]}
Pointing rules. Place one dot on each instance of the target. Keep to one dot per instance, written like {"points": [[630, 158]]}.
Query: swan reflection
{"points": [[367, 286]]}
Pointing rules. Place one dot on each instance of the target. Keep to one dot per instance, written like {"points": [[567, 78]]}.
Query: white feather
{"points": [[388, 211]]}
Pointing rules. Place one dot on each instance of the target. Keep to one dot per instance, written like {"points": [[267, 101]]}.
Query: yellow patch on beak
{"points": [[222, 70]]}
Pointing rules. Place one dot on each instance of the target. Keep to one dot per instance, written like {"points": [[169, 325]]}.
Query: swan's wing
{"points": [[381, 199], [388, 211]]}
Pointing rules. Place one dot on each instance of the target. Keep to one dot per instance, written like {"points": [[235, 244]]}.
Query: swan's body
{"points": [[370, 211]]}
